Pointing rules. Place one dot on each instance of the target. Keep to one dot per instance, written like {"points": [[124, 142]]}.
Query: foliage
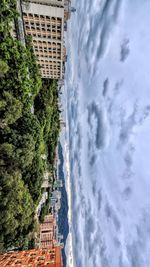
{"points": [[46, 109], [8, 14], [44, 211], [21, 63], [16, 206], [3, 67], [10, 109], [29, 128]]}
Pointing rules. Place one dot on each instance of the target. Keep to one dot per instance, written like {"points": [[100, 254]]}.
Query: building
{"points": [[68, 9], [48, 232], [32, 258], [58, 184], [44, 22], [55, 200]]}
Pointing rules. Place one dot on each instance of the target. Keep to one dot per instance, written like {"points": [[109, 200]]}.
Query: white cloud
{"points": [[109, 116]]}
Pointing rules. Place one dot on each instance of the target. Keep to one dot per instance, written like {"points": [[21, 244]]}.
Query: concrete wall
{"points": [[43, 9], [49, 2]]}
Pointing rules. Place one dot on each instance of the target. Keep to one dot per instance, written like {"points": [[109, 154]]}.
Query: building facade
{"points": [[55, 201], [32, 258], [44, 22], [48, 232]]}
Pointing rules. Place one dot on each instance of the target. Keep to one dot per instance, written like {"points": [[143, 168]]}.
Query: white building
{"points": [[44, 22]]}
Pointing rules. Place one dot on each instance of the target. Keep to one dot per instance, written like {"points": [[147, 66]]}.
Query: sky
{"points": [[107, 92]]}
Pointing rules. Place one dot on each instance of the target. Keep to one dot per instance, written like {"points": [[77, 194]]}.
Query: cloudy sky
{"points": [[108, 103]]}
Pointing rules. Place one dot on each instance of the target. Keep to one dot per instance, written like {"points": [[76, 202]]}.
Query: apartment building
{"points": [[48, 232], [56, 3], [44, 22], [32, 258]]}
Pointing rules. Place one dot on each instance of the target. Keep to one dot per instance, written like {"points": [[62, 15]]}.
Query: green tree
{"points": [[25, 150], [11, 109], [16, 206], [6, 154], [3, 67]]}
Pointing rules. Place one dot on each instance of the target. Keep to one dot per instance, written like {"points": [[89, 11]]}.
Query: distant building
{"points": [[58, 184], [44, 22], [48, 232], [68, 9], [32, 258], [55, 200]]}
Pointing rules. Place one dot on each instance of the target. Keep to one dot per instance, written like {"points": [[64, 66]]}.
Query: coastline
{"points": [[69, 245]]}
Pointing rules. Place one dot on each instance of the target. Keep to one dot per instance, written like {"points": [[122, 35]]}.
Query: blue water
{"points": [[63, 212]]}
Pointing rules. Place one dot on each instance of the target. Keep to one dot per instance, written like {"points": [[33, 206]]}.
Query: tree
{"points": [[3, 67], [6, 154], [10, 110], [16, 205], [25, 150], [24, 136]]}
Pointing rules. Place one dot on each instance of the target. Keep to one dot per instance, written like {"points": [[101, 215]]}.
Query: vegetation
{"points": [[3, 67], [47, 112], [44, 211], [29, 128]]}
